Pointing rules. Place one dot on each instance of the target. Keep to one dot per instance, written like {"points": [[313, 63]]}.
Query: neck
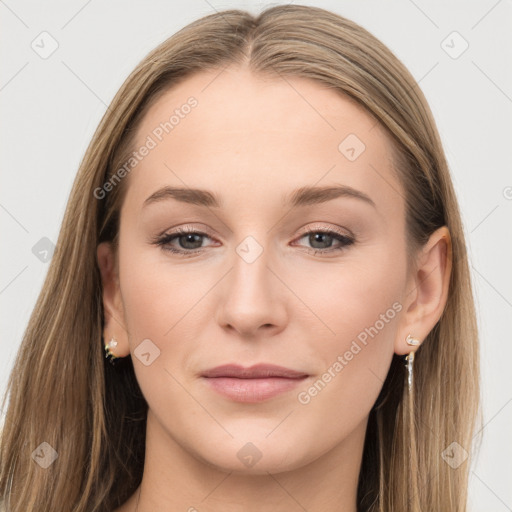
{"points": [[174, 479]]}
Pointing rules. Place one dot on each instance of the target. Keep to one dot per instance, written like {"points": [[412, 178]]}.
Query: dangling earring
{"points": [[410, 359], [108, 351], [409, 415]]}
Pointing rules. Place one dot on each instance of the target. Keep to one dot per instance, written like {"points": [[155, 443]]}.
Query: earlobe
{"points": [[114, 327], [427, 297]]}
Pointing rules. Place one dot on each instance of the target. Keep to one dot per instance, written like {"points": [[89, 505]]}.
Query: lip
{"points": [[252, 384]]}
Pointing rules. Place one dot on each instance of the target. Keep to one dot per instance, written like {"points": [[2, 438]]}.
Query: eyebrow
{"points": [[304, 196]]}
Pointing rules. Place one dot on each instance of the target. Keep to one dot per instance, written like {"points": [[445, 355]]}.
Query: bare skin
{"points": [[252, 141]]}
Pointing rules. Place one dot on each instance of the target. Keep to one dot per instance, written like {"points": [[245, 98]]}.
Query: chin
{"points": [[255, 452]]}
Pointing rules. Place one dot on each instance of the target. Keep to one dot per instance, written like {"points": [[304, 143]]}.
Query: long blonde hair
{"points": [[63, 392]]}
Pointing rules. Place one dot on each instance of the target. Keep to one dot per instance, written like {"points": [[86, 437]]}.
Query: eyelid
{"points": [[187, 227], [322, 227]]}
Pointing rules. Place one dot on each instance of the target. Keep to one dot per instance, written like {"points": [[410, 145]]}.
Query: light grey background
{"points": [[51, 106]]}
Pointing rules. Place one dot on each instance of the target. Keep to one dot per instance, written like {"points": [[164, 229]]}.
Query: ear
{"points": [[112, 303], [427, 290]]}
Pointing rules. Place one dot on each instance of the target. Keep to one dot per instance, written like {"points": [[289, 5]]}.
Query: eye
{"points": [[322, 240], [189, 241]]}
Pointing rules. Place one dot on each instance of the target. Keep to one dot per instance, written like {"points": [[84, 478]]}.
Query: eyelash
{"points": [[165, 240]]}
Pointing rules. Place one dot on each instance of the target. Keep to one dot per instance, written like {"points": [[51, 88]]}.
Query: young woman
{"points": [[264, 241]]}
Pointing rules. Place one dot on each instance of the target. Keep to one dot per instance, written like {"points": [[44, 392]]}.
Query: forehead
{"points": [[233, 130]]}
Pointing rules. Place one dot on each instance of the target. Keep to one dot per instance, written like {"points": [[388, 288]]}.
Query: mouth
{"points": [[253, 384]]}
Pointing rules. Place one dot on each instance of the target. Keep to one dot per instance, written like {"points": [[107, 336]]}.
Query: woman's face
{"points": [[275, 274]]}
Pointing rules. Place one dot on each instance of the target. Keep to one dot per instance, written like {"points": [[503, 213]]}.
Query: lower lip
{"points": [[252, 390]]}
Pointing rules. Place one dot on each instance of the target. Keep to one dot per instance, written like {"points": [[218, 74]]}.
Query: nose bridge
{"points": [[251, 262], [250, 276], [251, 293]]}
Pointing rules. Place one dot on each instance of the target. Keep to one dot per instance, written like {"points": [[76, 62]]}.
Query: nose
{"points": [[252, 298]]}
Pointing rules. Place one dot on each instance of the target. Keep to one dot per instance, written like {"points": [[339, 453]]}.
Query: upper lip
{"points": [[257, 371]]}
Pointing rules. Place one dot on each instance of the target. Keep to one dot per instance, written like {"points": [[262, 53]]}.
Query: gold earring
{"points": [[108, 350]]}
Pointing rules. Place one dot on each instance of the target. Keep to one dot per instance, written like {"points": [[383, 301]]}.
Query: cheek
{"points": [[351, 297], [158, 305], [359, 306], [363, 309], [157, 295]]}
